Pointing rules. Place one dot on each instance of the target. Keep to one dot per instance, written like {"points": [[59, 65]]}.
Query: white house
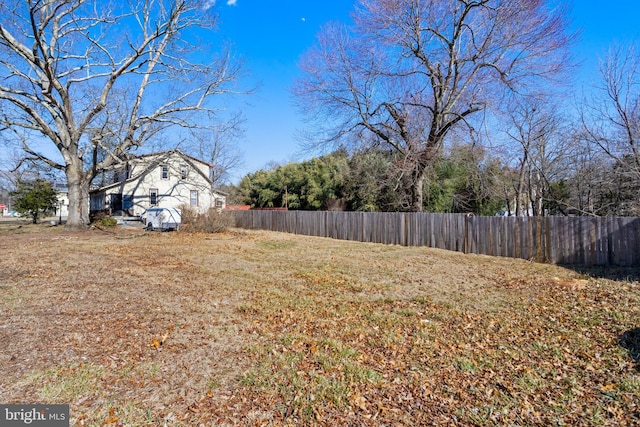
{"points": [[62, 194], [167, 179]]}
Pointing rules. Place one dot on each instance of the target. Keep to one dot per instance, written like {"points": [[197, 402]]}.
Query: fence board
{"points": [[563, 240], [618, 241]]}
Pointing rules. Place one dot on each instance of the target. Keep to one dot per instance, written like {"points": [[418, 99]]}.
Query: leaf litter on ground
{"points": [[260, 328]]}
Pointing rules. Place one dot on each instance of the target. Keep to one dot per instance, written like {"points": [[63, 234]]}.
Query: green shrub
{"points": [[107, 221], [96, 217]]}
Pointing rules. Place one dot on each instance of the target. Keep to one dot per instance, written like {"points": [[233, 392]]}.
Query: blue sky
{"points": [[271, 36]]}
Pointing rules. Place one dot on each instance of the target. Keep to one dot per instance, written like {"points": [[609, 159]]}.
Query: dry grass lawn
{"points": [[258, 328]]}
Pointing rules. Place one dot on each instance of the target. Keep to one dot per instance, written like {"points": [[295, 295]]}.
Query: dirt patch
{"points": [[262, 328]]}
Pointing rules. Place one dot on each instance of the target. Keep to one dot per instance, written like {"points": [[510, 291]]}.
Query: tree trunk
{"points": [[520, 188], [417, 184], [78, 184], [538, 209]]}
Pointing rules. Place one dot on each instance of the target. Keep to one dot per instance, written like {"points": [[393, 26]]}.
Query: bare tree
{"points": [[410, 71], [99, 79], [611, 117], [590, 178], [536, 127], [218, 146]]}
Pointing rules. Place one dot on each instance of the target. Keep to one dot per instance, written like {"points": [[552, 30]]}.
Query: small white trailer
{"points": [[162, 219]]}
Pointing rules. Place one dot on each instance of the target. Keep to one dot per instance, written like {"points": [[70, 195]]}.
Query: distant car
{"points": [[162, 219]]}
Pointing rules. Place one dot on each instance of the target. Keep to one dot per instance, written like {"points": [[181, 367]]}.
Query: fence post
{"points": [[547, 240], [465, 241], [539, 253]]}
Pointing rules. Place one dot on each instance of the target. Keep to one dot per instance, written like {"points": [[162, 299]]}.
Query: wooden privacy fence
{"points": [[606, 241]]}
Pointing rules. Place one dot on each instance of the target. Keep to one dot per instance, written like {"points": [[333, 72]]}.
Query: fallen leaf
{"points": [[358, 400], [607, 388]]}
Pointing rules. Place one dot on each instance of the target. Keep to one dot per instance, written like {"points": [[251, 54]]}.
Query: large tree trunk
{"points": [[78, 184], [417, 185]]}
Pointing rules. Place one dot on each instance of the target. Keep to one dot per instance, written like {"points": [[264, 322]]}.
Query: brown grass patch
{"points": [[258, 328]]}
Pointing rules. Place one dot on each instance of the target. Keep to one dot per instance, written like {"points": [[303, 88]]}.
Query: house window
{"points": [[164, 172], [219, 203], [184, 169], [194, 198], [153, 197]]}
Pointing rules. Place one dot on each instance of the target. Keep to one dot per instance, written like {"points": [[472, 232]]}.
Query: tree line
{"points": [[469, 103], [370, 181], [442, 105], [467, 178]]}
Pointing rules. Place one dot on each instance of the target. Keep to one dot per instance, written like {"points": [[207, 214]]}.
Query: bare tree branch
{"points": [[98, 79], [410, 71], [611, 118]]}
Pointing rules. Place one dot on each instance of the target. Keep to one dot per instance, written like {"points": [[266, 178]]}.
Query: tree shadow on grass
{"points": [[630, 341], [625, 274]]}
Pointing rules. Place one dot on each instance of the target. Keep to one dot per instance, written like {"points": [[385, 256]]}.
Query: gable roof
{"points": [[159, 157], [169, 152]]}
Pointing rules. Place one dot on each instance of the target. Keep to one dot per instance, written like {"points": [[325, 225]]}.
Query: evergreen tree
{"points": [[34, 198]]}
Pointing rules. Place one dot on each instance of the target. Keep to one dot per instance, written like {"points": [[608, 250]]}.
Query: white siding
{"points": [[174, 191]]}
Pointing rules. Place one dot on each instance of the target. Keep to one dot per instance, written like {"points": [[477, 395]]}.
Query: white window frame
{"points": [[191, 199], [164, 172]]}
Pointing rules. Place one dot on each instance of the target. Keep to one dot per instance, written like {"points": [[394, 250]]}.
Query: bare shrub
{"points": [[212, 221], [188, 215]]}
